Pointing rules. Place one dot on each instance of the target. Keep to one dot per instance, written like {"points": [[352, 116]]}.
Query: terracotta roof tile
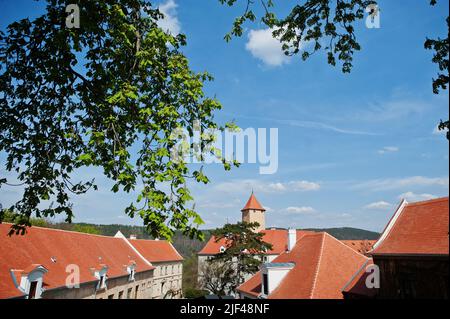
{"points": [[156, 250], [277, 237], [253, 203], [417, 229], [55, 249], [323, 265], [361, 246]]}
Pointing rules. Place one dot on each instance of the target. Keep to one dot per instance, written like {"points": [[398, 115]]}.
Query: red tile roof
{"points": [[253, 203], [361, 246], [41, 245], [156, 250], [419, 228], [277, 237], [323, 265]]}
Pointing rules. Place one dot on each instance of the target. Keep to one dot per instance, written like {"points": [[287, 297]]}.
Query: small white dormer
{"points": [[100, 274], [31, 281], [272, 274], [222, 249], [131, 270]]}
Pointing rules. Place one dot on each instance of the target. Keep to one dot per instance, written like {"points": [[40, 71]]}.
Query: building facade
{"points": [[411, 256], [282, 240], [316, 267], [253, 211], [57, 264], [168, 263]]}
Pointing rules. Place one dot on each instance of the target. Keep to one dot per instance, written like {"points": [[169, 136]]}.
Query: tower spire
{"points": [[253, 212]]}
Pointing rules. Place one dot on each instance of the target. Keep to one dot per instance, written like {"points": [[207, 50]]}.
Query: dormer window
{"points": [[222, 249], [31, 280], [100, 274], [272, 275], [131, 269]]}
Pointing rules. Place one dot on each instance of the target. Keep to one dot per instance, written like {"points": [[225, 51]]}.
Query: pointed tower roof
{"points": [[253, 203]]}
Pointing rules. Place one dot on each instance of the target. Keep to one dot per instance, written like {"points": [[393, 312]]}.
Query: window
{"points": [[130, 290], [121, 294], [136, 292], [265, 284], [111, 297], [33, 290]]}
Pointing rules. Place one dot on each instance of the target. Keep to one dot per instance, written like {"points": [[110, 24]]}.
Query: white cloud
{"points": [[262, 45], [303, 186], [378, 205], [277, 187], [413, 197], [401, 183], [388, 149], [170, 22], [246, 185], [300, 210]]}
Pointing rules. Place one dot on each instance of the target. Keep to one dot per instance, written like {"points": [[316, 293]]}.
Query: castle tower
{"points": [[254, 212]]}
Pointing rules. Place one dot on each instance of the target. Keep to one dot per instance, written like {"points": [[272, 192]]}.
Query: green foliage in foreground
{"points": [[243, 254], [110, 94]]}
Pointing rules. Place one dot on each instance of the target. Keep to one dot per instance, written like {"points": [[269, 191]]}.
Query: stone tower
{"points": [[254, 212]]}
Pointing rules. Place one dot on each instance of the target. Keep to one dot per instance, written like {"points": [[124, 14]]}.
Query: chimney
{"points": [[292, 238], [133, 237]]}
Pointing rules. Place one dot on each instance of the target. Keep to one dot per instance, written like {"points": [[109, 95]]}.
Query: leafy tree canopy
{"points": [[243, 250], [76, 97]]}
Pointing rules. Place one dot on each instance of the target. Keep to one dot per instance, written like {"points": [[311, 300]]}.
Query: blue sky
{"points": [[350, 145]]}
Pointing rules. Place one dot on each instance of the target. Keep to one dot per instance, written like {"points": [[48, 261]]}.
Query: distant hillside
{"points": [[348, 233]]}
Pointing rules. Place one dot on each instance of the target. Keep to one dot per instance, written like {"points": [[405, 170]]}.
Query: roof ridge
{"points": [[387, 229], [423, 202], [138, 253], [316, 275], [62, 230], [355, 274], [174, 249], [143, 239], [347, 246]]}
